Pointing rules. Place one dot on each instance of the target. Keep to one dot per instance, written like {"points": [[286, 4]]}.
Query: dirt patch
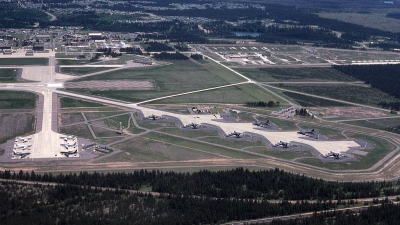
{"points": [[353, 112]]}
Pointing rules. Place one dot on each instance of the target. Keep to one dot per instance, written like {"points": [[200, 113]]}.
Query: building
{"points": [[7, 51], [29, 52], [38, 48], [95, 36]]}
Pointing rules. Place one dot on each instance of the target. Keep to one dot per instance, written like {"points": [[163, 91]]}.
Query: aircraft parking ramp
{"points": [[322, 146]]}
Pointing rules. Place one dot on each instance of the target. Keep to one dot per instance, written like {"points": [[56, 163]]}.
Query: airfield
{"points": [[208, 146]]}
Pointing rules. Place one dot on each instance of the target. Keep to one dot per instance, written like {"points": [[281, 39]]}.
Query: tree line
{"points": [[154, 46], [385, 213], [235, 183], [390, 105], [74, 204], [382, 77], [262, 104], [170, 56]]}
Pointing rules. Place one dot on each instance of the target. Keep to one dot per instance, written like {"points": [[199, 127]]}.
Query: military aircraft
{"points": [[69, 153], [23, 147], [70, 137], [153, 117], [23, 139], [334, 155], [284, 144], [261, 123], [21, 154], [193, 125], [66, 145], [235, 133], [306, 132]]}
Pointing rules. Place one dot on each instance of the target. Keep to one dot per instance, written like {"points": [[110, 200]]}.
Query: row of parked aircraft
{"points": [[239, 134], [334, 155], [18, 145], [67, 145], [23, 139]]}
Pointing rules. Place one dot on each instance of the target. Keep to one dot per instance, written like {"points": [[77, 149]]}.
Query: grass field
{"points": [[229, 95], [380, 124], [82, 70], [283, 154], [24, 61], [72, 62], [233, 143], [308, 101], [98, 115], [103, 132], [80, 130], [8, 75], [69, 118], [133, 129], [170, 79], [190, 133], [350, 56], [221, 72], [150, 150], [113, 122], [71, 102], [16, 124], [350, 93], [200, 146], [294, 74], [17, 100]]}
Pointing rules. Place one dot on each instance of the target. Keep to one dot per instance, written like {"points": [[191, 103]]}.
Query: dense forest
{"points": [[170, 56], [14, 16], [235, 183], [154, 46], [291, 23], [385, 213], [383, 77], [261, 104], [72, 204], [80, 198]]}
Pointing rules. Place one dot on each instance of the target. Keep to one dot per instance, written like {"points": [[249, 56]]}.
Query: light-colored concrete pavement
{"points": [[323, 147], [47, 143]]}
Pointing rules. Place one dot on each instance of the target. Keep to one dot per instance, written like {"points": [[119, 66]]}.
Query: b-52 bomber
{"points": [[153, 117], [66, 145], [236, 134], [284, 144], [69, 153], [21, 154], [193, 125], [23, 139], [334, 155], [306, 132], [70, 137], [23, 147], [261, 123]]}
